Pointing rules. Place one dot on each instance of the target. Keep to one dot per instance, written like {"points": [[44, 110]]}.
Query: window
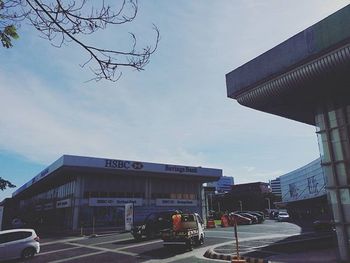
{"points": [[9, 237]]}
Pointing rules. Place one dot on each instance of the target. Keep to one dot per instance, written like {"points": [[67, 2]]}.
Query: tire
{"points": [[150, 235], [138, 237], [28, 253], [189, 244], [200, 241]]}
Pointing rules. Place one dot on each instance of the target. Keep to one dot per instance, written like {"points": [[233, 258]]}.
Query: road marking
{"points": [[142, 244], [77, 257], [58, 250], [113, 241]]}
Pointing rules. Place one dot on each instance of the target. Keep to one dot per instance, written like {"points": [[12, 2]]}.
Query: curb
{"points": [[210, 253]]}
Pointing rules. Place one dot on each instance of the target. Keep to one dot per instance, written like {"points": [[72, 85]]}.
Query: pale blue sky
{"points": [[176, 111]]}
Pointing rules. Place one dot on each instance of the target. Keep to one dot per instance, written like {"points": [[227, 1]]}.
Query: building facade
{"points": [[79, 191], [275, 186], [304, 192], [249, 196], [224, 184], [306, 78]]}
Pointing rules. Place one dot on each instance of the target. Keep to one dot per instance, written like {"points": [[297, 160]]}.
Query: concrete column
{"points": [[76, 202], [333, 133]]}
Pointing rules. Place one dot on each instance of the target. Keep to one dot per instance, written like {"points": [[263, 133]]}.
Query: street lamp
{"points": [[240, 204], [268, 200]]}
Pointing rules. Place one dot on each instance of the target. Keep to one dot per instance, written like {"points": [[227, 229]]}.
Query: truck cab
{"points": [[187, 230]]}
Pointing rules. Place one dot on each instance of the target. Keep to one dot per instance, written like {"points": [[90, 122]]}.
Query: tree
{"points": [[4, 184], [62, 22]]}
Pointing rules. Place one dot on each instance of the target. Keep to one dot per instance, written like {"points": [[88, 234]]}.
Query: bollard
{"points": [[236, 259]]}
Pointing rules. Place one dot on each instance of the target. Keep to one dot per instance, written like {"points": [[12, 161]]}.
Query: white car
{"points": [[18, 243], [282, 216]]}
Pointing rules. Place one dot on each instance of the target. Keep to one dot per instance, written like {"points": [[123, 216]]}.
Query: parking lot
{"points": [[121, 247]]}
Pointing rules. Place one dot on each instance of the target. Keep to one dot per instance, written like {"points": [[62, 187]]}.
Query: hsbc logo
{"points": [[119, 164], [137, 165]]}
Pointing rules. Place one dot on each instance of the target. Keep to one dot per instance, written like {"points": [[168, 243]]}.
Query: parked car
{"points": [[282, 216], [154, 224], [259, 215], [248, 215], [240, 219], [18, 243]]}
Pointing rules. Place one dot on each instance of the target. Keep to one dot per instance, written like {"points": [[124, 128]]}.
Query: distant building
{"points": [[249, 196], [304, 191], [276, 187], [224, 184], [257, 187]]}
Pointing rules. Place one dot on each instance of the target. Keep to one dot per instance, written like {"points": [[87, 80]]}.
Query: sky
{"points": [[175, 111]]}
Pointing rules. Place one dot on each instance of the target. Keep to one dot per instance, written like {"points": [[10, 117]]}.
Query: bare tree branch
{"points": [[62, 21]]}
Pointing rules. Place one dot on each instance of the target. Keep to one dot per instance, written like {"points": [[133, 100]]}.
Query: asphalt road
{"points": [[123, 248]]}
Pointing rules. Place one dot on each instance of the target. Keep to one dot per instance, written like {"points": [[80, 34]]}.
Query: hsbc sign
{"points": [[120, 164]]}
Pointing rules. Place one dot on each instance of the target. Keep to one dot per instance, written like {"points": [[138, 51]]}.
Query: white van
{"points": [[18, 243]]}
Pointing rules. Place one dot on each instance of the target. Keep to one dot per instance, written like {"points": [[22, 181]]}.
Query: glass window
{"points": [[329, 176], [345, 201], [323, 146], [341, 174], [332, 119], [319, 120]]}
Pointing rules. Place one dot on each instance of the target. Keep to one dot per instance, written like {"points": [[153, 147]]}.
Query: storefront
{"points": [[79, 191]]}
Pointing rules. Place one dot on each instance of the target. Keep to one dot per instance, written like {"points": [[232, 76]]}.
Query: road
{"points": [[123, 248]]}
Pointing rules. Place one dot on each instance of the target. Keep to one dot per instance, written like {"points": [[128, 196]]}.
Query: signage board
{"points": [[48, 206], [114, 201], [63, 203], [129, 216], [175, 202]]}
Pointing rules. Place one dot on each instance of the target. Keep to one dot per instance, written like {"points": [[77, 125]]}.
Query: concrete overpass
{"points": [[307, 78]]}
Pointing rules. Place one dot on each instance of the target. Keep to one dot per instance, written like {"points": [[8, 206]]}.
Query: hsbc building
{"points": [[74, 191]]}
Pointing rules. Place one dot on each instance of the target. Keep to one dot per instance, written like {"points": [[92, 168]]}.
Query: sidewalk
{"points": [[299, 248], [327, 255]]}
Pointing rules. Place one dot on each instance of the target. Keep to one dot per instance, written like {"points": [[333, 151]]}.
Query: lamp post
{"points": [[268, 201], [240, 204]]}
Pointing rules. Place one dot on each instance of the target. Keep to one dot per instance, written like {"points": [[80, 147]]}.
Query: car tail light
{"points": [[37, 239]]}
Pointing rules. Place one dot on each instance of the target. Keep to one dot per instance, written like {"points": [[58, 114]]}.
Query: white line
{"points": [[76, 257], [58, 250], [114, 241], [142, 244]]}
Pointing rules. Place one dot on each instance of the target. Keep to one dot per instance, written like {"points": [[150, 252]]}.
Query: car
{"points": [[282, 216], [240, 219], [154, 224], [248, 215], [259, 215], [18, 243]]}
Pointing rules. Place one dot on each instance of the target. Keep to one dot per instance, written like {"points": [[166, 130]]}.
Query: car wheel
{"points": [[201, 240], [150, 235], [28, 253], [137, 237], [189, 245]]}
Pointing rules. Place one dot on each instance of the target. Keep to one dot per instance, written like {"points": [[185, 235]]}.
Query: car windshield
{"points": [[283, 213]]}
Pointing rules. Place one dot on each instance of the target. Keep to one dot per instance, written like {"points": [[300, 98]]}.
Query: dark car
{"points": [[154, 224], [248, 215], [259, 215], [240, 219]]}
